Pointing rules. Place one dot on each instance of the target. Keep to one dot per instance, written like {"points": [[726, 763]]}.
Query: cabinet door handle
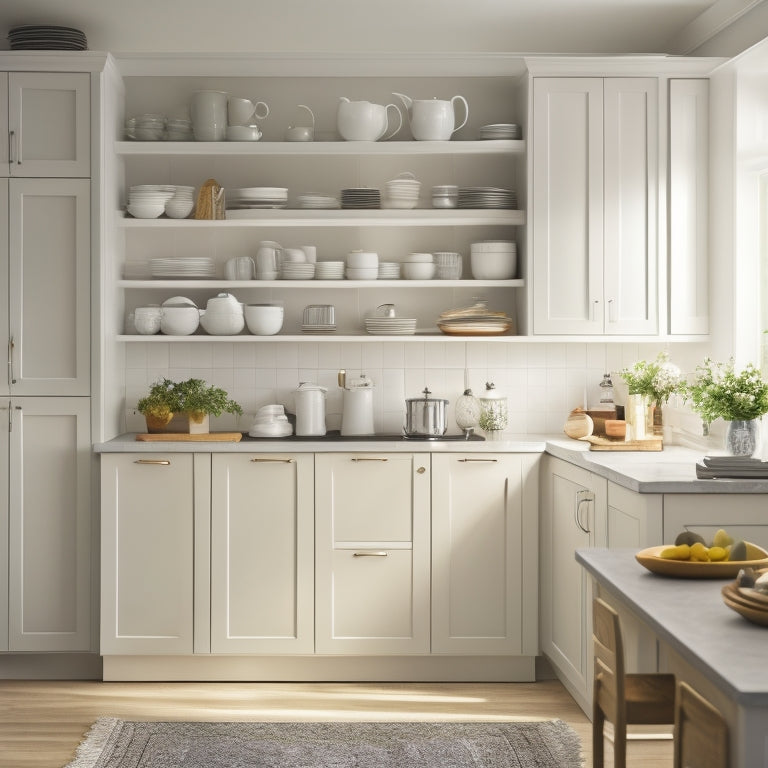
{"points": [[611, 311], [595, 303], [277, 460], [370, 554], [582, 497], [466, 461], [421, 470], [11, 145], [370, 458], [157, 462], [11, 379]]}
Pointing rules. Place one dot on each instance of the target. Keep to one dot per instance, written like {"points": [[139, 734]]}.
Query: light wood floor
{"points": [[41, 723]]}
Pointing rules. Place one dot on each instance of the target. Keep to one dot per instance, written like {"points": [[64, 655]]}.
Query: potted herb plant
{"points": [[184, 406], [717, 391]]}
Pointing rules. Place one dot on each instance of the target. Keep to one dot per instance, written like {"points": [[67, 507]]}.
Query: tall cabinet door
{"points": [[262, 540], [5, 379], [372, 553], [49, 124], [4, 168], [630, 162], [49, 302], [50, 524], [567, 149], [5, 425], [484, 543], [147, 558]]}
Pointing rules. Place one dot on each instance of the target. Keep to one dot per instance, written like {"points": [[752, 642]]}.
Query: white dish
{"points": [[493, 265], [418, 270], [264, 319]]}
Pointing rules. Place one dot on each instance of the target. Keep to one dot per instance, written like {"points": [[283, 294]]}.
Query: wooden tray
{"points": [[597, 443], [690, 569], [185, 437]]}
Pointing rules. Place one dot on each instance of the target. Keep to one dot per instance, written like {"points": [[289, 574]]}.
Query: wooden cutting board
{"points": [[184, 437], [597, 443]]}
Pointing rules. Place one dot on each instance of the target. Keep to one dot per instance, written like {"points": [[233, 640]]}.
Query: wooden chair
{"points": [[622, 699], [701, 733]]}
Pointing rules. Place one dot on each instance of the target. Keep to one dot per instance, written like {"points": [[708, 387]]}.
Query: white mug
{"points": [[244, 111], [209, 115], [294, 255], [239, 268], [268, 258]]}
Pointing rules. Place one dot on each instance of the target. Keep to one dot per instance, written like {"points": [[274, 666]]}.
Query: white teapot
{"points": [[433, 119], [365, 121]]}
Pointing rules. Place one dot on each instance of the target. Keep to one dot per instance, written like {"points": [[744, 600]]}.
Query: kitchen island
{"points": [[701, 640]]}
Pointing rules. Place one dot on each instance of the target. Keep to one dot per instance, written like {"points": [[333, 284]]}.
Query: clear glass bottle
{"points": [[467, 412]]}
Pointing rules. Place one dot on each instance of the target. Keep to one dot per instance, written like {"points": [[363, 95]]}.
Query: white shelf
{"points": [[318, 284], [314, 337], [299, 148], [426, 217]]}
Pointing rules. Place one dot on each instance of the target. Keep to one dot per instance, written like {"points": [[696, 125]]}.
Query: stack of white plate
{"points": [[257, 197], [309, 201], [271, 421], [147, 201], [319, 318], [500, 131], [486, 197], [389, 270], [33, 37], [148, 127], [402, 192], [329, 270], [395, 326], [185, 267], [296, 270], [360, 197]]}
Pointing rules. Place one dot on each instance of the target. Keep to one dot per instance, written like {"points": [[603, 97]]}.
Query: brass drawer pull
{"points": [[370, 554], [162, 462], [492, 461], [280, 460], [370, 458]]}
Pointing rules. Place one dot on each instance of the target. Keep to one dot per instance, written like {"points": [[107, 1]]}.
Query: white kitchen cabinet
{"points": [[47, 115], [45, 514], [572, 515], [633, 519], [742, 515], [594, 224], [47, 285], [262, 542], [372, 553], [484, 554], [147, 555], [689, 218]]}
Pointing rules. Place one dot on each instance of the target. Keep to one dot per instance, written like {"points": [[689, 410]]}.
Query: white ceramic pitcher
{"points": [[365, 121], [433, 119], [209, 115]]}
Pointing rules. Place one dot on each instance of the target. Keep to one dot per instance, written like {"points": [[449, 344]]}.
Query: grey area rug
{"points": [[112, 743]]}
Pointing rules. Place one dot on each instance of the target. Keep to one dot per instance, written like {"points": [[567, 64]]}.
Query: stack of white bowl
{"points": [[329, 270], [402, 192], [271, 421], [148, 127], [179, 129], [419, 266], [445, 196], [362, 265], [494, 260], [147, 201], [181, 204]]}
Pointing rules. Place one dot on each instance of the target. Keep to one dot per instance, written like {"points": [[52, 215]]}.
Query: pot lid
{"points": [[308, 386], [426, 391]]}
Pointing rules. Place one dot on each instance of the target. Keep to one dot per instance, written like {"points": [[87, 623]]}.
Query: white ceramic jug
{"points": [[365, 121], [309, 400], [245, 111], [209, 115], [357, 407], [433, 119], [268, 260]]}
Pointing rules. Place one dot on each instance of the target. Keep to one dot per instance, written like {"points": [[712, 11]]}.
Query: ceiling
{"points": [[519, 26]]}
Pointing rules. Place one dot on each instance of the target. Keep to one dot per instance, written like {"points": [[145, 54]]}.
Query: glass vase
{"points": [[742, 437]]}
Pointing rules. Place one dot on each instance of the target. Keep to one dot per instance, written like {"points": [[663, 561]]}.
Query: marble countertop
{"points": [[691, 617]]}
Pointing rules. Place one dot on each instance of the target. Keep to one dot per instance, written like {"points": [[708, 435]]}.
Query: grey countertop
{"points": [[691, 617], [672, 470]]}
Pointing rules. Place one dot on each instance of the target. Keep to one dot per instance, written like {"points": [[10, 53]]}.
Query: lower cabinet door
{"points": [[49, 531], [484, 554], [262, 534], [372, 553], [147, 537]]}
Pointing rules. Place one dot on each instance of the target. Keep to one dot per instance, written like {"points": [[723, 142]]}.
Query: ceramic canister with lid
{"points": [[310, 409]]}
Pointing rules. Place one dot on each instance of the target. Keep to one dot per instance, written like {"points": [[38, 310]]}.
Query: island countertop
{"points": [[691, 617]]}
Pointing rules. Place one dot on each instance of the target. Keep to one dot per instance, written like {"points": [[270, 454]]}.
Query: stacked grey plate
{"points": [[31, 37], [486, 197], [713, 467], [500, 131], [361, 197], [309, 201], [390, 326], [319, 318]]}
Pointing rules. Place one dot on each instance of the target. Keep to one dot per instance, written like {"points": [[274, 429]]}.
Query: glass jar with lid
{"points": [[494, 415]]}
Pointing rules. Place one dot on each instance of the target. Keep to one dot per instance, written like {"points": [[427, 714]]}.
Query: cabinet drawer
{"points": [[370, 496]]}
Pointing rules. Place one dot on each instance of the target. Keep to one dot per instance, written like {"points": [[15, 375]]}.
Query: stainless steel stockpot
{"points": [[425, 416]]}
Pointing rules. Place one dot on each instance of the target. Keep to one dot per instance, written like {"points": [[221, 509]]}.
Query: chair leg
{"points": [[620, 744], [598, 738]]}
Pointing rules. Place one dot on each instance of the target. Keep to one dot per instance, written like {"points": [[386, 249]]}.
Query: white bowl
{"points": [[222, 323], [418, 270], [146, 210], [494, 246], [179, 208], [264, 319], [362, 260], [179, 321], [493, 265], [362, 274], [419, 258]]}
